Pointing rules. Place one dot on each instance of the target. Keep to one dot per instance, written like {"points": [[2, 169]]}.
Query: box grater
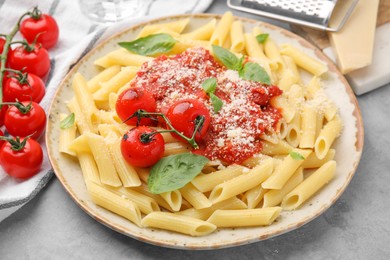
{"points": [[328, 15]]}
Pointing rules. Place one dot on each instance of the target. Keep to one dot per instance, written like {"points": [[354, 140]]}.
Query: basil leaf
{"points": [[210, 85], [253, 71], [175, 171], [150, 45], [296, 156], [261, 38], [227, 58], [67, 122], [217, 102]]}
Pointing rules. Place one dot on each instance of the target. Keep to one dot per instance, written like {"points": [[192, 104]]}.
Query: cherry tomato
{"points": [[17, 89], [40, 23], [36, 60], [183, 116], [142, 146], [28, 123], [22, 163], [133, 99]]}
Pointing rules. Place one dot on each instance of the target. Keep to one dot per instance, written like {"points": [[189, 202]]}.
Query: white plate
{"points": [[349, 147]]}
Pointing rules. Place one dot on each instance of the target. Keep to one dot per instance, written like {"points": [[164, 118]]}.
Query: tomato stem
{"points": [[21, 76], [36, 13], [22, 108], [198, 125], [4, 54], [16, 144], [147, 137]]}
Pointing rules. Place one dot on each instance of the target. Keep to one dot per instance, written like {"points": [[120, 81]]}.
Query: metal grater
{"points": [[329, 15]]}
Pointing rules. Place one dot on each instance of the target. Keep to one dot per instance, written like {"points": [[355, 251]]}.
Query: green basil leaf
{"points": [[67, 122], [261, 38], [175, 171], [227, 58], [253, 71], [210, 85], [296, 156], [150, 45], [217, 102]]}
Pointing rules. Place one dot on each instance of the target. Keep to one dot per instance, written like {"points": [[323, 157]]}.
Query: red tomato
{"points": [[24, 124], [141, 149], [131, 100], [36, 60], [183, 116], [22, 163], [16, 89], [40, 23]]}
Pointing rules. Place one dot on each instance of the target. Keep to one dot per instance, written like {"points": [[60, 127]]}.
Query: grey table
{"points": [[357, 226]]}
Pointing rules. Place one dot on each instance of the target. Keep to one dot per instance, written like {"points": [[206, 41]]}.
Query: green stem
{"points": [[22, 108], [191, 141], [16, 144], [3, 57]]}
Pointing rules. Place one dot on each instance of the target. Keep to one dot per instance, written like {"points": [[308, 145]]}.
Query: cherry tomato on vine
{"points": [[21, 158], [142, 146], [24, 119], [33, 58], [42, 24], [28, 87], [184, 115], [133, 99]]}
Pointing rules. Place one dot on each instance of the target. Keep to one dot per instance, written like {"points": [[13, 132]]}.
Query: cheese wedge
{"points": [[354, 43]]}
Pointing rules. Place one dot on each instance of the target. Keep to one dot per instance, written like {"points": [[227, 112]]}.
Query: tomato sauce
{"points": [[235, 131]]}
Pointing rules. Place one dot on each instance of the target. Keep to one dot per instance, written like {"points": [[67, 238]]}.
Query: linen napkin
{"points": [[78, 35]]}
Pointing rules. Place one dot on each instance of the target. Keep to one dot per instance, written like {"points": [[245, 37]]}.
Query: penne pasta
{"points": [[237, 38], [206, 182], [112, 202], [244, 217], [95, 83], [121, 57], [195, 197], [233, 203], [222, 30], [178, 223], [173, 199], [242, 183], [309, 186], [67, 136], [285, 170], [326, 137], [103, 160], [304, 61], [274, 197], [203, 33], [85, 103]]}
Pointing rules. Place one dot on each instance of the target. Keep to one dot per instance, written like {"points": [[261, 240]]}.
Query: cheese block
{"points": [[354, 43]]}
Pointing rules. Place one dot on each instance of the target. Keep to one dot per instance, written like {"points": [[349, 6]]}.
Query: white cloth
{"points": [[78, 35]]}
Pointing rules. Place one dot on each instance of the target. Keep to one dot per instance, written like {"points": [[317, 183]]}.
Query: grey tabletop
{"points": [[357, 226]]}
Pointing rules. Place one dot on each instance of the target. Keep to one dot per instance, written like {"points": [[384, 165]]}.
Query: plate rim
{"points": [[359, 144]]}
